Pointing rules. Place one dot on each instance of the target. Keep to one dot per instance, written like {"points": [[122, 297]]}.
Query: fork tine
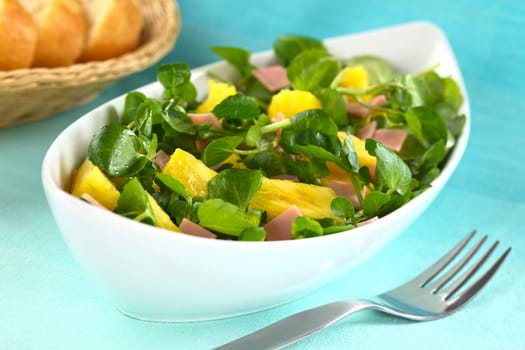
{"points": [[465, 277], [464, 297], [439, 283], [425, 277]]}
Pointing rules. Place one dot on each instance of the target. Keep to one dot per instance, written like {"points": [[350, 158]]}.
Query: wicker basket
{"points": [[35, 93]]}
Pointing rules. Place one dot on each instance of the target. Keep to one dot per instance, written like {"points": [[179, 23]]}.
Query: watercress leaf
{"points": [[315, 119], [167, 182], [149, 145], [427, 124], [312, 70], [286, 47], [379, 70], [133, 203], [237, 109], [131, 103], [349, 155], [391, 171], [254, 136], [432, 156], [224, 217], [373, 202], [271, 162], [364, 174], [220, 149], [173, 76], [311, 143], [237, 57], [342, 207], [115, 149], [253, 234], [308, 171], [335, 105], [236, 186], [176, 118], [418, 88], [304, 227]]}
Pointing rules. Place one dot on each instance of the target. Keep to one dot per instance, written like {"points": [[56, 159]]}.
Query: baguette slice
{"points": [[115, 28], [62, 31], [17, 36]]}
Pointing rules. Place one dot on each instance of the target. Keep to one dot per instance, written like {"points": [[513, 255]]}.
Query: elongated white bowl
{"points": [[154, 274]]}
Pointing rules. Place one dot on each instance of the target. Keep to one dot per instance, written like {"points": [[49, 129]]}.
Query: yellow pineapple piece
{"points": [[190, 171], [92, 181], [291, 102], [275, 196], [356, 77], [162, 218], [217, 92]]}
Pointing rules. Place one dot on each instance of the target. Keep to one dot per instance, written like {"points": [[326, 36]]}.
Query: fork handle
{"points": [[297, 326]]}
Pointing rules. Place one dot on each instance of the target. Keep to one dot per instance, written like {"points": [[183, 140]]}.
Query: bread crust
{"points": [[17, 36], [62, 32], [114, 32]]}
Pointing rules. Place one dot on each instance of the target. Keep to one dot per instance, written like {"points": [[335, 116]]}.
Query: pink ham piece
{"points": [[273, 77], [355, 109], [193, 229], [162, 158], [367, 131], [280, 227], [346, 190], [203, 118], [392, 138], [366, 222], [92, 201]]}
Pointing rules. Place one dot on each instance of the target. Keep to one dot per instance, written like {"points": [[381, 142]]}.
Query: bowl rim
{"points": [[54, 189]]}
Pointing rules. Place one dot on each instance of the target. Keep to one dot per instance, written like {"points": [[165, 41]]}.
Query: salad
{"points": [[309, 146]]}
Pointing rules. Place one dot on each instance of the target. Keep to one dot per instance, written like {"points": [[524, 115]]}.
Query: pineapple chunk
{"points": [[190, 171], [356, 77], [274, 196], [291, 102], [162, 218], [92, 181], [217, 92]]}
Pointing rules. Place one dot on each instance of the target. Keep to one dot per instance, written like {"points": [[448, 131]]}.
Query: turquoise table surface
{"points": [[48, 302]]}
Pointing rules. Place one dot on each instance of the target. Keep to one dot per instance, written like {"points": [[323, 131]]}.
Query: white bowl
{"points": [[154, 274]]}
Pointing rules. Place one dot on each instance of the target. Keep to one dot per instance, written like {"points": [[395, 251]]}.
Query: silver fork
{"points": [[429, 296]]}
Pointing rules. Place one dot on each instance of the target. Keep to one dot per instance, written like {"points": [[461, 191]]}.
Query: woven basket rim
{"points": [[77, 74]]}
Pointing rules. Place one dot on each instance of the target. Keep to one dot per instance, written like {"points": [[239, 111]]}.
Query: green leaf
{"points": [[236, 186], [349, 155], [311, 143], [374, 201], [315, 119], [237, 109], [391, 171], [133, 203], [427, 125], [342, 207], [312, 70], [304, 227], [167, 182], [237, 57], [271, 162], [253, 234], [132, 101], [115, 150], [432, 156], [335, 105], [221, 216], [175, 78], [287, 47], [220, 149]]}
